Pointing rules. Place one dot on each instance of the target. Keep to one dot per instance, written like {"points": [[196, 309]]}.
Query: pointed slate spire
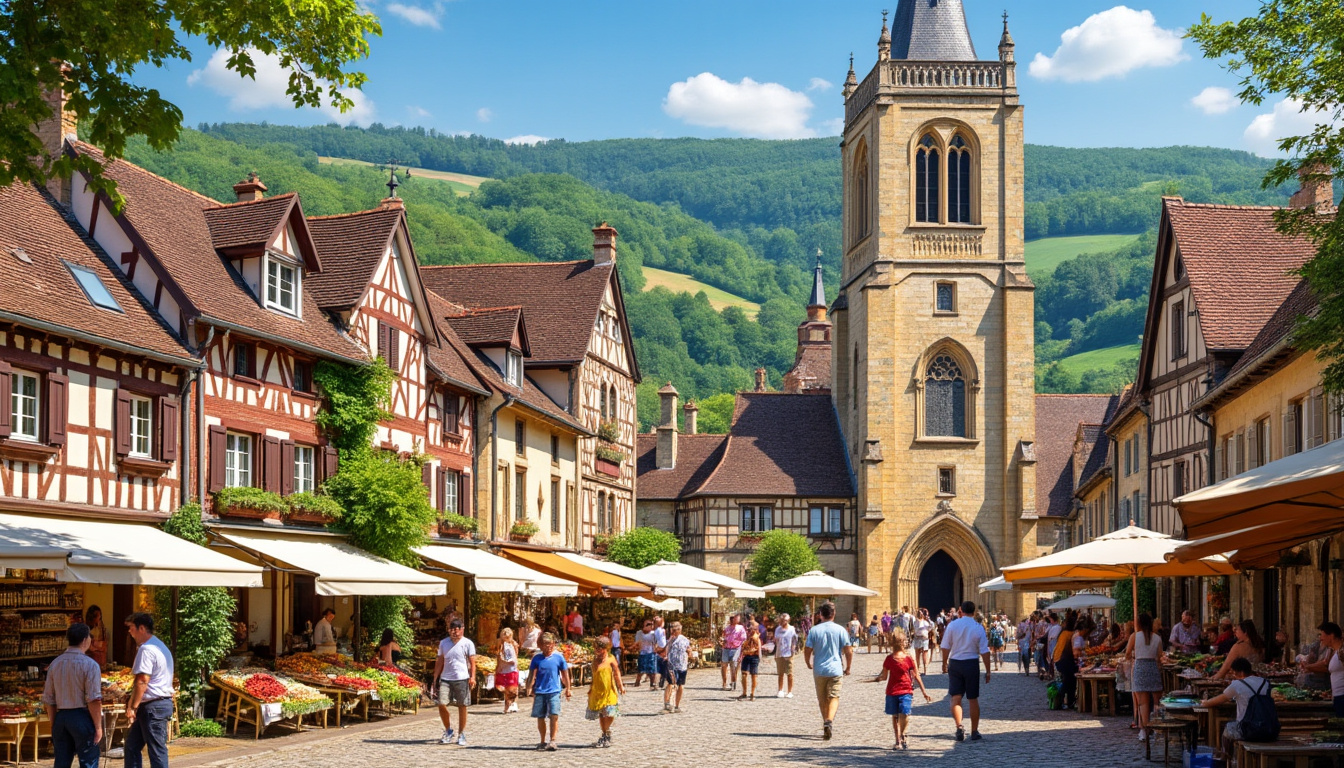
{"points": [[851, 82], [818, 292], [931, 30]]}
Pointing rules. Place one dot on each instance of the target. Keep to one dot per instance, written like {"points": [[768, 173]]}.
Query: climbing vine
{"points": [[355, 399]]}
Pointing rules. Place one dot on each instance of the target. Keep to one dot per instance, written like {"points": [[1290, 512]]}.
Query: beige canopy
{"points": [[492, 573], [338, 568]]}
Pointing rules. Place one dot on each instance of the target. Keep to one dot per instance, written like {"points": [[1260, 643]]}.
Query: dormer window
{"points": [[282, 286], [513, 370]]}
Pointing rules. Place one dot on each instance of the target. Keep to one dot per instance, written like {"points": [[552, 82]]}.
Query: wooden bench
{"points": [[1180, 725], [1297, 752]]}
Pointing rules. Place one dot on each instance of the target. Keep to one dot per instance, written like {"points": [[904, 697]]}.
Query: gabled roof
{"points": [[931, 30], [1271, 349], [253, 224], [42, 289], [494, 327], [697, 456], [1096, 454], [561, 301], [351, 245], [782, 445], [811, 370], [1057, 420], [167, 224]]}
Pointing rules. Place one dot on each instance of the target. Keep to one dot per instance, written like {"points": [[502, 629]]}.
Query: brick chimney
{"points": [[692, 411], [665, 454], [1317, 190], [604, 244], [53, 133], [760, 379], [392, 202], [249, 189]]}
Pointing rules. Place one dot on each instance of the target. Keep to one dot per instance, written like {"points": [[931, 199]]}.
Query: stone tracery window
{"points": [[927, 178], [861, 219], [959, 181], [944, 181], [944, 398]]}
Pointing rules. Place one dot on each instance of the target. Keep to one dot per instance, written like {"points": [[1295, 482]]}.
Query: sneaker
{"points": [[905, 744], [513, 707], [975, 736], [667, 708], [677, 710], [1143, 735], [961, 734], [550, 746], [779, 695], [826, 731], [734, 688], [541, 746], [789, 695], [896, 746], [462, 739], [607, 736], [447, 737]]}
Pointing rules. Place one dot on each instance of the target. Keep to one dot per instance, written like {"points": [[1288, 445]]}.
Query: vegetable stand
{"points": [[259, 699]]}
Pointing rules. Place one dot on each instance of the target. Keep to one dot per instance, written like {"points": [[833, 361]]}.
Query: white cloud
{"points": [[527, 138], [418, 111], [818, 84], [1287, 119], [1110, 44], [267, 91], [1215, 100], [484, 114], [759, 110], [833, 127], [417, 15]]}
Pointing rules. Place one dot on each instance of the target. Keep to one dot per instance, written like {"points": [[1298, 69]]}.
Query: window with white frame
{"points": [[24, 405], [450, 481], [141, 427], [303, 469], [513, 372], [282, 286], [237, 460], [825, 521]]}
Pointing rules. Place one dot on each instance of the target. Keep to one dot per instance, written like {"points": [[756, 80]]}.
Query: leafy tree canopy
{"points": [[781, 555], [642, 547], [204, 634]]}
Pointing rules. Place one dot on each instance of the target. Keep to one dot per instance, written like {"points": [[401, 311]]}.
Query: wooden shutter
{"points": [[450, 405], [393, 348], [286, 467], [1220, 459], [270, 464], [215, 457], [1318, 418], [122, 422], [427, 478], [6, 399], [330, 462], [382, 340], [1290, 430], [441, 489], [464, 498], [166, 429], [58, 408], [1252, 449]]}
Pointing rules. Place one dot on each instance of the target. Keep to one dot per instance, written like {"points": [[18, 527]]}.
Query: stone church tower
{"points": [[933, 327]]}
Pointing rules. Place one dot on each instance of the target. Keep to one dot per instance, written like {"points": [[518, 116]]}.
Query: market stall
{"points": [[259, 698], [591, 581]]}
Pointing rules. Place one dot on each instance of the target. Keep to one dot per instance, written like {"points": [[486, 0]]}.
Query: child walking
{"points": [[603, 696], [677, 652], [506, 670], [902, 675], [547, 681], [751, 662]]}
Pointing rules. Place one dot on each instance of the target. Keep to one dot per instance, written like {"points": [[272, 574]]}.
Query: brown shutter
{"points": [[122, 422], [464, 500], [166, 429], [1318, 417], [440, 503], [382, 340], [427, 477], [6, 399], [215, 457], [270, 464], [58, 408], [286, 467], [330, 462]]}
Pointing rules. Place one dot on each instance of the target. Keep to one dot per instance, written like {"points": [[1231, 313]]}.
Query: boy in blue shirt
{"points": [[547, 679]]}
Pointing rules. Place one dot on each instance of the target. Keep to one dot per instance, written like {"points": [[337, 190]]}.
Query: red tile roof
{"points": [[560, 299], [250, 223], [1302, 301], [45, 291], [488, 327], [697, 456], [1057, 420], [351, 245], [171, 221], [1096, 449], [811, 370], [782, 445], [1240, 267]]}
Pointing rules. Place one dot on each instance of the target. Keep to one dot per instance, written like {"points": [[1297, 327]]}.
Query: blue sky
{"points": [[596, 70]]}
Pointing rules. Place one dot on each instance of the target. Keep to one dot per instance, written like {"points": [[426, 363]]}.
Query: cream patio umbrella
{"points": [[816, 584], [1129, 552]]}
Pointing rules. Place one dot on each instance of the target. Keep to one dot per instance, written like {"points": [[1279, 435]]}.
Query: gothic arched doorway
{"points": [[940, 583]]}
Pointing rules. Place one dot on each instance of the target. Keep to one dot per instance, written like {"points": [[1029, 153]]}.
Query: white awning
{"points": [[99, 552], [666, 583], [733, 587], [670, 604], [492, 573], [338, 568]]}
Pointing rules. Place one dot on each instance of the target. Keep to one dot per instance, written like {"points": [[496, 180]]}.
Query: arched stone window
{"points": [[959, 181], [854, 379], [603, 407], [861, 220], [928, 176], [944, 398]]}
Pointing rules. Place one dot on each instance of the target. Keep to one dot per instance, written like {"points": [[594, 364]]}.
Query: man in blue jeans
{"points": [[150, 706], [73, 695]]}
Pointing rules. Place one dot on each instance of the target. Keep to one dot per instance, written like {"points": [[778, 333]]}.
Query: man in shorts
{"points": [[733, 636], [786, 639], [829, 647], [963, 641], [455, 676], [677, 655], [547, 681]]}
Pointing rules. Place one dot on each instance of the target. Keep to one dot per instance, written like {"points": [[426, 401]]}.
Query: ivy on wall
{"points": [[354, 399]]}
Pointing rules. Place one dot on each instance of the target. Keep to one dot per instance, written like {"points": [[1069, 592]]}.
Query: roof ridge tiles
{"points": [[352, 214], [436, 267], [1227, 206], [244, 203], [151, 174]]}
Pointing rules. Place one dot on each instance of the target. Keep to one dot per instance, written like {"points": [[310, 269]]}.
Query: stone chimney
{"points": [[1317, 190], [249, 189], [760, 379], [692, 411], [53, 133], [392, 202], [604, 244], [665, 454]]}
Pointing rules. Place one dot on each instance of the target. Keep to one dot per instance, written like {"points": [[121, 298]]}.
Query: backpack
{"points": [[1261, 722]]}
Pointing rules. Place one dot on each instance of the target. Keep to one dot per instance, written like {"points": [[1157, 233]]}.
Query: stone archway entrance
{"points": [[940, 583]]}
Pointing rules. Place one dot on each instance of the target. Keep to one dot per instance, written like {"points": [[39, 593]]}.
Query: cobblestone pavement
{"points": [[1018, 730]]}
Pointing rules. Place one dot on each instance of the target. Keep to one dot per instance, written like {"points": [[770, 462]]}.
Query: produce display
{"points": [[117, 684], [391, 683], [486, 664], [577, 653], [20, 706], [295, 698], [394, 686], [1285, 692]]}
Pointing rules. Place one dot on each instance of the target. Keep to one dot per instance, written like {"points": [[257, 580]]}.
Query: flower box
{"points": [[610, 468], [453, 531], [749, 540], [249, 503], [520, 537], [457, 526], [309, 517], [523, 531], [248, 513]]}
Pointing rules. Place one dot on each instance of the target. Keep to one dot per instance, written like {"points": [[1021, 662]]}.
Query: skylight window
{"points": [[93, 287]]}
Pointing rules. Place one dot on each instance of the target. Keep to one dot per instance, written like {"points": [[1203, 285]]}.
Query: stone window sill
{"points": [[948, 441]]}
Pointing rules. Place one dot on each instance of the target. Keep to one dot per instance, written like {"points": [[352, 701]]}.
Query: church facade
{"points": [[932, 357]]}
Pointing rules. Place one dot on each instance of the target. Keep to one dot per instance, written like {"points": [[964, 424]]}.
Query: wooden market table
{"points": [[342, 696], [1096, 688], [1220, 715], [1299, 751], [246, 709], [15, 730]]}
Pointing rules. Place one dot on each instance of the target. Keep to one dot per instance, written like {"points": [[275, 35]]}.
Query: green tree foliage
{"points": [[716, 414], [1291, 49], [782, 555], [642, 547], [1123, 592], [387, 509], [355, 399], [94, 48], [204, 634]]}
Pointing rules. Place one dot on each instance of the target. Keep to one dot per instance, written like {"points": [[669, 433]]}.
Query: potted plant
{"points": [[608, 432], [523, 530], [250, 503], [601, 542], [312, 508], [749, 538], [608, 460], [457, 526]]}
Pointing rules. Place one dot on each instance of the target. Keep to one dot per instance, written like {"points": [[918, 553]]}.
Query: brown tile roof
{"points": [[560, 299], [1057, 420], [488, 327], [171, 221], [1302, 301], [811, 371], [351, 245], [1097, 450], [1240, 267], [250, 223], [45, 291], [782, 445], [697, 456]]}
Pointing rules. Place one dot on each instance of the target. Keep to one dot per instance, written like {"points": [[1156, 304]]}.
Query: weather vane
{"points": [[391, 166]]}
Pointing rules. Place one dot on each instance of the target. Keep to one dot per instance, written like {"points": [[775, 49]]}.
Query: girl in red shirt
{"points": [[902, 676]]}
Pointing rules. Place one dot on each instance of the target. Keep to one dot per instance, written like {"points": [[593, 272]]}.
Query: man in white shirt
{"points": [[324, 635], [150, 706], [963, 641], [786, 638], [1024, 632], [454, 677]]}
